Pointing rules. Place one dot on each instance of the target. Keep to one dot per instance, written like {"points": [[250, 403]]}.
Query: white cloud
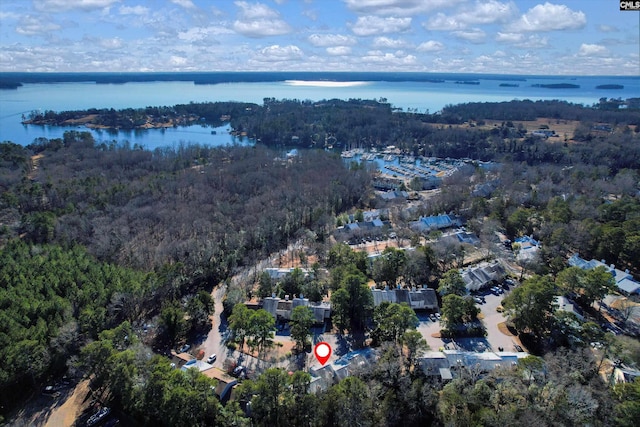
{"points": [[178, 61], [111, 43], [277, 53], [133, 10], [442, 22], [9, 15], [474, 35], [187, 4], [63, 5], [339, 50], [509, 37], [396, 7], [398, 58], [608, 28], [520, 40], [196, 34], [430, 46], [371, 25], [259, 20], [592, 50], [324, 40], [549, 17], [256, 11], [490, 12], [388, 43], [31, 25]]}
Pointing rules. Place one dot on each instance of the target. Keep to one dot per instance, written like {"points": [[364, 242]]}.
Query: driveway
{"points": [[492, 319]]}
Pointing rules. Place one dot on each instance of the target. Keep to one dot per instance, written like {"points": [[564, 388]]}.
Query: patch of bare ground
{"points": [[563, 128], [281, 348], [50, 411], [35, 162], [81, 120]]}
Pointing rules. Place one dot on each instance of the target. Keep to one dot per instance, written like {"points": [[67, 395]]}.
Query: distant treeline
{"points": [[375, 124], [532, 110], [244, 77]]}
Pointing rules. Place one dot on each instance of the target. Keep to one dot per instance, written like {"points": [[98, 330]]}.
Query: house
{"points": [[544, 133], [529, 248], [564, 304], [281, 273], [417, 299], [325, 376], [624, 280], [281, 309], [446, 364], [482, 275], [435, 222], [226, 384]]}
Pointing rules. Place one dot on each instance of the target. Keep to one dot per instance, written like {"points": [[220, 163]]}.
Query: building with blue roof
{"points": [[624, 280]]}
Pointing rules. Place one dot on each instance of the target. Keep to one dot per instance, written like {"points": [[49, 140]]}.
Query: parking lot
{"points": [[491, 318]]}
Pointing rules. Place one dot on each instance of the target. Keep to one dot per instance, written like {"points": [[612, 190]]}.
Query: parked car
{"points": [[184, 348], [212, 358], [432, 317], [477, 300], [517, 347], [98, 416], [239, 371], [437, 316]]}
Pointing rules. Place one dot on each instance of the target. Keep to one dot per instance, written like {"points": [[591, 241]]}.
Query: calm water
{"points": [[415, 96]]}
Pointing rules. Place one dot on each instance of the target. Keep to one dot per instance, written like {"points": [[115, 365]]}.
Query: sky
{"points": [[564, 37]]}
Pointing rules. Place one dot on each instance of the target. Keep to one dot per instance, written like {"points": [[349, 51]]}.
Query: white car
{"points": [[212, 358]]}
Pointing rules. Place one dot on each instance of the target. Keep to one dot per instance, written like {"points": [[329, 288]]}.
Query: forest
{"points": [[376, 124], [98, 238]]}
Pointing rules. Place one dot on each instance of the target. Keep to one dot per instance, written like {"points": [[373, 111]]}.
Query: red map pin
{"points": [[322, 351]]}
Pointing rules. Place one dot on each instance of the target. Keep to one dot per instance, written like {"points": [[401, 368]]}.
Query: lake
{"points": [[417, 96]]}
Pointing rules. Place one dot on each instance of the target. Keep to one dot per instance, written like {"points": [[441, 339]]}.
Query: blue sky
{"points": [[584, 37]]}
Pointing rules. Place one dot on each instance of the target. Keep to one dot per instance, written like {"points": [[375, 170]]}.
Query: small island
{"points": [[467, 82], [509, 85], [557, 86], [610, 86], [9, 85]]}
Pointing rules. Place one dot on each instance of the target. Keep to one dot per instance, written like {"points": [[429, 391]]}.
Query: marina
{"points": [[405, 167]]}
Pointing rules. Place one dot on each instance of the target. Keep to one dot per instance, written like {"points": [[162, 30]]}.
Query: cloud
{"points": [[277, 53], [549, 17], [520, 40], [196, 34], [396, 7], [258, 20], [490, 12], [133, 10], [339, 50], [371, 25], [388, 43], [64, 5], [111, 43], [324, 40], [592, 50], [9, 15], [474, 35], [608, 28], [391, 59], [31, 25], [430, 46], [442, 22], [187, 4]]}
